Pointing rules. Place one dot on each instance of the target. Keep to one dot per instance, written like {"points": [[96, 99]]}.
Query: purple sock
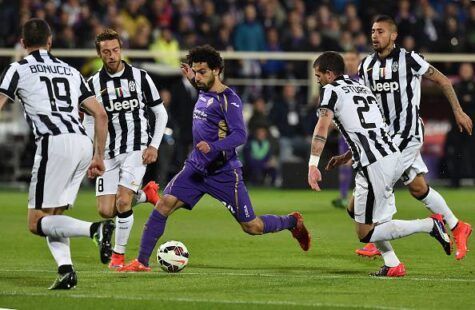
{"points": [[152, 231], [275, 223], [345, 180]]}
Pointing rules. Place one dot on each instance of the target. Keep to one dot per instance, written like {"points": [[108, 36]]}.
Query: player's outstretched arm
{"points": [[100, 135], [319, 139], [463, 120]]}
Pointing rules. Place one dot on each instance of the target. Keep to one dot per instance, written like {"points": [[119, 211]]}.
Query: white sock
{"points": [[59, 247], [140, 197], [388, 254], [396, 229], [62, 226], [122, 232], [436, 204]]}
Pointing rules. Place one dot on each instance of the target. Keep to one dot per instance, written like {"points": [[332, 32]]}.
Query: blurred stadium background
{"points": [[268, 46]]}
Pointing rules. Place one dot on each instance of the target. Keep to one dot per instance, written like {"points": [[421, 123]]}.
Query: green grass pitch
{"points": [[231, 270]]}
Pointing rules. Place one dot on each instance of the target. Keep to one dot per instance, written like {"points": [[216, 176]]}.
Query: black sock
{"points": [[125, 214], [93, 229], [63, 269]]}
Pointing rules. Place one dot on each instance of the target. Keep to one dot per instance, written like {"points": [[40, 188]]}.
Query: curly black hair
{"points": [[206, 53]]}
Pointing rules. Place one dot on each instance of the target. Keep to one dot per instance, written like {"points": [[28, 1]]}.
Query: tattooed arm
{"points": [[320, 132], [463, 120], [319, 139]]}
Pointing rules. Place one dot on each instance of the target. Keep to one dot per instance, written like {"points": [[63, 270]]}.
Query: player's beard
{"points": [[207, 86], [113, 67], [380, 48]]}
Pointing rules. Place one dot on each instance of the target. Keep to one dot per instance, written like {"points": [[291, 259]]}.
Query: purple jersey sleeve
{"points": [[237, 135]]}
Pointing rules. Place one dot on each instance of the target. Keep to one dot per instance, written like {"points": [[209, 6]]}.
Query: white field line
{"points": [[242, 274], [199, 300]]}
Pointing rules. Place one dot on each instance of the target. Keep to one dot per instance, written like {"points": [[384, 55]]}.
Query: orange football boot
{"points": [[300, 232], [134, 266], [461, 232], [369, 250], [151, 191], [385, 271], [117, 261]]}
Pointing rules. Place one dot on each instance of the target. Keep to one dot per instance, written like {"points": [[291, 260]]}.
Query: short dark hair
{"points": [[206, 53], [35, 33], [106, 35], [385, 19], [330, 61]]}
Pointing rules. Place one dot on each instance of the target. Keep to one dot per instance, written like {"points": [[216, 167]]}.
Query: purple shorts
{"points": [[189, 186]]}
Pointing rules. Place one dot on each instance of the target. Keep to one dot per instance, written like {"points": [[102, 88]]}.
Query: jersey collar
{"points": [[342, 77]]}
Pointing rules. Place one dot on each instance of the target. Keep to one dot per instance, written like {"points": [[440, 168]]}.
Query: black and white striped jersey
{"points": [[50, 91], [396, 83], [125, 96], [357, 116]]}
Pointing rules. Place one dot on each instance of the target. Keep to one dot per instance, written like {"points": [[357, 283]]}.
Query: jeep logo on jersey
{"points": [[384, 87], [124, 105]]}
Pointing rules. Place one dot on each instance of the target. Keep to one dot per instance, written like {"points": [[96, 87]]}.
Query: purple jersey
{"points": [[217, 120]]}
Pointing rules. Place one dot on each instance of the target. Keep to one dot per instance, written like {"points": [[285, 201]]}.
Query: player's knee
{"points": [[253, 231], [164, 206], [252, 228], [418, 188], [34, 226], [364, 235], [106, 211], [106, 214], [123, 205]]}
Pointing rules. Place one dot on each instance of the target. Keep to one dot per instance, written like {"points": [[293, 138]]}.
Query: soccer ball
{"points": [[172, 256]]}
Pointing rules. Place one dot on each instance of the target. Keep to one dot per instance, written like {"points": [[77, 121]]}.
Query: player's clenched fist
{"points": [[150, 155], [203, 147], [96, 168]]}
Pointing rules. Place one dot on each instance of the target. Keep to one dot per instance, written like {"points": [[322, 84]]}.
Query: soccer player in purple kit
{"points": [[213, 166]]}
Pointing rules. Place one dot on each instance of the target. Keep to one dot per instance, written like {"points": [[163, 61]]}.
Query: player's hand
{"points": [[96, 168], [186, 70], [314, 176], [149, 155], [464, 122], [336, 161], [203, 147]]}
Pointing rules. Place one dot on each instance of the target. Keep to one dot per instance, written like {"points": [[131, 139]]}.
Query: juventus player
{"points": [[50, 92], [125, 92], [377, 161], [394, 76]]}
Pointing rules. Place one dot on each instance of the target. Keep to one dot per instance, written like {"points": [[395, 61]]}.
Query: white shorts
{"points": [[61, 162], [125, 169], [374, 196], [412, 162]]}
